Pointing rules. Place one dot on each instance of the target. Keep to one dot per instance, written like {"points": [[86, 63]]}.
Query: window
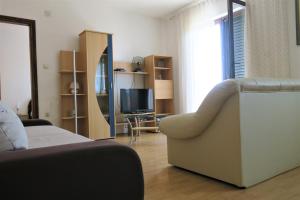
{"points": [[239, 54]]}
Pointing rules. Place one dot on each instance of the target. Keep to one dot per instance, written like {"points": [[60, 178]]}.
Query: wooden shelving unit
{"points": [[160, 69], [68, 119], [127, 66], [90, 111]]}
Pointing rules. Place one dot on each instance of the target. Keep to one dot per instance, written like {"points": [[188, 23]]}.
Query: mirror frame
{"points": [[33, 59]]}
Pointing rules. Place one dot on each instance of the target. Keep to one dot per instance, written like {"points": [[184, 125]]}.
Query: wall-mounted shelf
{"points": [[163, 68]]}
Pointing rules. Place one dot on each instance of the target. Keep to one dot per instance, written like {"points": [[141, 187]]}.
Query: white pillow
{"points": [[12, 132]]}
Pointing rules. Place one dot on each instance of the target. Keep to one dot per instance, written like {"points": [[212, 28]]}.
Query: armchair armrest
{"points": [[192, 125], [35, 122], [182, 126], [90, 170]]}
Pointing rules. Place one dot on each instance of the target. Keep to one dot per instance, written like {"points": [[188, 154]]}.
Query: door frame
{"points": [[231, 34]]}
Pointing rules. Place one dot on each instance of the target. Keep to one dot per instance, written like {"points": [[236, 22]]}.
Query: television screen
{"points": [[136, 100]]}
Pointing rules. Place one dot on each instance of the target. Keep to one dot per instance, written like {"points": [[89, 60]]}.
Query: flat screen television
{"points": [[136, 100]]}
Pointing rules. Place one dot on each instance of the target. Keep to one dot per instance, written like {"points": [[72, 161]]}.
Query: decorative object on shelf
{"points": [[72, 113], [74, 87], [138, 64], [161, 63], [119, 69], [159, 76], [297, 2]]}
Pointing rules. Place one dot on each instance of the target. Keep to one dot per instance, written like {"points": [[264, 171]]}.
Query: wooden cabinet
{"points": [[163, 89], [160, 78], [97, 59], [95, 117]]}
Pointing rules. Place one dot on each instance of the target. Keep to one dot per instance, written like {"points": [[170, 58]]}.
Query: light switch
{"points": [[45, 66]]}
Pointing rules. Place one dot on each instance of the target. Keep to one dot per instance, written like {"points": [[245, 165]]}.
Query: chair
{"points": [[138, 128], [244, 132]]}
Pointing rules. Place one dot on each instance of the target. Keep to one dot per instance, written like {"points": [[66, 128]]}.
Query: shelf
{"points": [[163, 68], [124, 123], [137, 114], [101, 95], [162, 57], [71, 71], [68, 118], [138, 73], [163, 114], [72, 95]]}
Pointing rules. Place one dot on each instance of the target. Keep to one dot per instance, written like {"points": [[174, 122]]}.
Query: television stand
{"points": [[138, 121]]}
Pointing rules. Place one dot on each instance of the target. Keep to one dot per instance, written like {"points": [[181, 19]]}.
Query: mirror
{"points": [[18, 70], [297, 5], [102, 85]]}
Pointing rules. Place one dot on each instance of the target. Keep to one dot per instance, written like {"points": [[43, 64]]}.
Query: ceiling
{"points": [[151, 8]]}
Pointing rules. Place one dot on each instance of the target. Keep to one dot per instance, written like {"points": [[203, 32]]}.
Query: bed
{"points": [[62, 165]]}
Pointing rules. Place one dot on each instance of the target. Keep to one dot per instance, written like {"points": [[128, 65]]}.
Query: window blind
{"points": [[239, 44]]}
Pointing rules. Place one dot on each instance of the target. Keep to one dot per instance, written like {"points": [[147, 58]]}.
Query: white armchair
{"points": [[244, 132]]}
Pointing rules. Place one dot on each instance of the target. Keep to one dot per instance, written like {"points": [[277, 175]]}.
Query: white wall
{"points": [[294, 49], [132, 35], [1, 2], [169, 46], [15, 66]]}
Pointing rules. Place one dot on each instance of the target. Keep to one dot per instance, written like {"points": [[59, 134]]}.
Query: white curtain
{"points": [[199, 52], [267, 42]]}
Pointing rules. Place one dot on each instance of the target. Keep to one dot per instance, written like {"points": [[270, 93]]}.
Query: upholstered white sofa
{"points": [[245, 131]]}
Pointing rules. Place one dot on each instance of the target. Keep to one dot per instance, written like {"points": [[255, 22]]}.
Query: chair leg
{"points": [[136, 125], [140, 126], [131, 132]]}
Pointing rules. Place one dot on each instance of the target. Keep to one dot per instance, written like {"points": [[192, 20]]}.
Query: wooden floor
{"points": [[164, 182]]}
